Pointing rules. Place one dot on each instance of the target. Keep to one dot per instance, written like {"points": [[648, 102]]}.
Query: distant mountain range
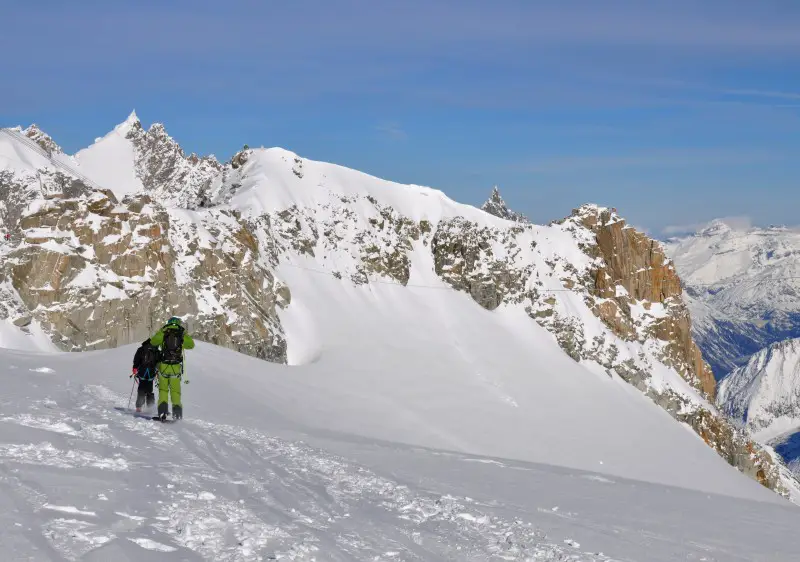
{"points": [[742, 287]]}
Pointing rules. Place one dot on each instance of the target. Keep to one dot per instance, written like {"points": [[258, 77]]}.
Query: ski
{"points": [[157, 418]]}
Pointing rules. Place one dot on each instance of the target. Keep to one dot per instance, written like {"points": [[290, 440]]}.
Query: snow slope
{"points": [[743, 288], [109, 162], [289, 463]]}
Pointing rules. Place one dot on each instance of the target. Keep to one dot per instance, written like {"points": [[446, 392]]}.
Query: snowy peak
{"points": [[110, 161], [130, 124], [765, 393], [496, 206], [716, 227], [130, 160]]}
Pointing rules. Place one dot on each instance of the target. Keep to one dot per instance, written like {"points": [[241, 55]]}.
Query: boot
{"points": [[163, 411], [177, 412]]}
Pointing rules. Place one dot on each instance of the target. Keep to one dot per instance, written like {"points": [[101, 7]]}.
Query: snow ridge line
{"points": [[42, 152]]}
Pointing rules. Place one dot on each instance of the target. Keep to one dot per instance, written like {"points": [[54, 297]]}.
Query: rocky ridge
{"points": [[96, 272], [42, 139]]}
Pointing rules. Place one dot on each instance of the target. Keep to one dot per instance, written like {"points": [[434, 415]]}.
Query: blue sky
{"points": [[675, 112]]}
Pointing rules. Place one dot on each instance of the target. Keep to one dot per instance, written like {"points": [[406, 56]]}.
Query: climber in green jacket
{"points": [[171, 340]]}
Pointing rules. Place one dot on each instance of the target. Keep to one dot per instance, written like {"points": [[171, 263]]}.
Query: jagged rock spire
{"points": [[42, 139], [496, 206]]}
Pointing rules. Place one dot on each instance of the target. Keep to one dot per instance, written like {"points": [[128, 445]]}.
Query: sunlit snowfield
{"points": [[261, 470]]}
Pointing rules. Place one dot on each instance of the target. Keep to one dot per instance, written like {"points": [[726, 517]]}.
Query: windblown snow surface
{"points": [[323, 462]]}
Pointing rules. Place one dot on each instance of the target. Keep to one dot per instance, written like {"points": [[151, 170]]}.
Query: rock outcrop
{"points": [[167, 174], [96, 274], [637, 264], [42, 139], [634, 290], [496, 206]]}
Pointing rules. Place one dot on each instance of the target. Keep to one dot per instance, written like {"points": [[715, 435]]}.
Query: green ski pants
{"points": [[167, 386]]}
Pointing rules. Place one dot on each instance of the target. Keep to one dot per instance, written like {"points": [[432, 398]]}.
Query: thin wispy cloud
{"points": [[659, 158], [765, 94], [392, 130]]}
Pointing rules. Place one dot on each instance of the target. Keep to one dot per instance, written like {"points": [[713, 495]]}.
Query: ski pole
{"points": [[131, 396]]}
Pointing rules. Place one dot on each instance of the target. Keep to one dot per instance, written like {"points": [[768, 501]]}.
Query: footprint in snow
{"points": [[69, 509], [149, 544]]}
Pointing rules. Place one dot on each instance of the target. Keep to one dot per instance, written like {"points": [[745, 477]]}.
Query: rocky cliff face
{"points": [[167, 174], [96, 274], [633, 288], [634, 269], [209, 242]]}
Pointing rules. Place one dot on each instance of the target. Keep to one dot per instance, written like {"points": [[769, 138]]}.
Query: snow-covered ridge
{"points": [[765, 393], [304, 262]]}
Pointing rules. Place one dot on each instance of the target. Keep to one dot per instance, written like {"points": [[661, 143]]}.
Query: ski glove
{"points": [[134, 372], [185, 381]]}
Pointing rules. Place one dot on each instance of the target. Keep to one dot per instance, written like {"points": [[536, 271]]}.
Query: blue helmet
{"points": [[174, 321]]}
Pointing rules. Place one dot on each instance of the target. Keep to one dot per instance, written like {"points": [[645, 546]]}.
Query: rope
{"points": [[42, 152]]}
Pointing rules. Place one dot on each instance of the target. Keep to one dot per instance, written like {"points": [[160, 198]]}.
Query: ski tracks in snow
{"points": [[202, 491]]}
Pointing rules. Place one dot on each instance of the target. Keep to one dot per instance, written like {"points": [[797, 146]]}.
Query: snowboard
{"points": [[168, 420]]}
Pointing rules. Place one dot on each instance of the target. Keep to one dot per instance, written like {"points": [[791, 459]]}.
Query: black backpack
{"points": [[148, 358], [172, 348]]}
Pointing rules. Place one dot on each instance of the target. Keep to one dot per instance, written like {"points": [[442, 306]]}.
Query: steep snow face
{"points": [[110, 161], [743, 287], [765, 393], [301, 463]]}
